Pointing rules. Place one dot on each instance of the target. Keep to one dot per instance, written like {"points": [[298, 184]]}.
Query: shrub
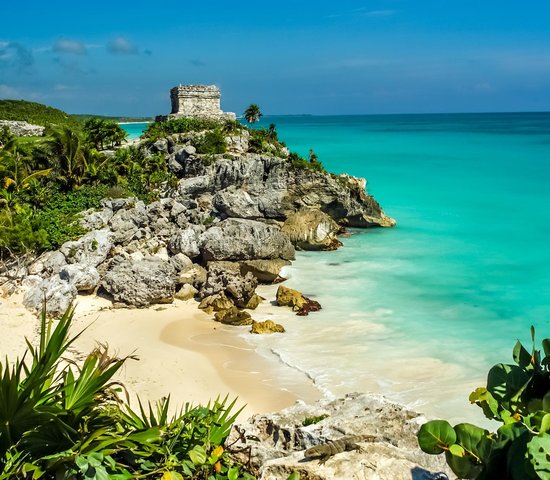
{"points": [[518, 396], [212, 142], [301, 163]]}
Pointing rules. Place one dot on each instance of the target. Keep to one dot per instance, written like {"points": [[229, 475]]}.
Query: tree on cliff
{"points": [[252, 113]]}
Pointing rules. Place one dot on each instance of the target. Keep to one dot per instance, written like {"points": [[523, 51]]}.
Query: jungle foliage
{"points": [[518, 396]]}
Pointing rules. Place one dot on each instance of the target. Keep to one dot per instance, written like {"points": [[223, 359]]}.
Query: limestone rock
{"points": [[238, 239], [56, 292], [91, 249], [226, 278], [266, 327], [84, 277], [237, 203], [186, 292], [283, 439], [22, 129], [196, 276], [266, 271], [254, 301], [47, 264], [181, 263], [141, 283], [216, 303], [187, 241], [301, 304], [311, 229], [126, 222], [233, 316], [96, 220]]}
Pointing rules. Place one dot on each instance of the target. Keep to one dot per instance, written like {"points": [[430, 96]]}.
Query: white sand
{"points": [[181, 350]]}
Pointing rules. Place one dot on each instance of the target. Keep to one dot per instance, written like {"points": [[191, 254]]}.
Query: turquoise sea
{"points": [[420, 312]]}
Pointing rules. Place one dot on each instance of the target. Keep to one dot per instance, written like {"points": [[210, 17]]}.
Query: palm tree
{"points": [[69, 154], [252, 113]]}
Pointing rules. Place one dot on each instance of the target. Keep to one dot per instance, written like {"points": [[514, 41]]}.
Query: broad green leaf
{"points": [[463, 467], [171, 475], [521, 356], [474, 440], [233, 473], [294, 476], [539, 455], [545, 423], [456, 450], [504, 382], [82, 463], [436, 436], [486, 401], [546, 346], [198, 455]]}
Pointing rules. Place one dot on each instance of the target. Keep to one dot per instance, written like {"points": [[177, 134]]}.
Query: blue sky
{"points": [[318, 57]]}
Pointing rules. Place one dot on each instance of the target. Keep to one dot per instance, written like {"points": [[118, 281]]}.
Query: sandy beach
{"points": [[182, 352]]}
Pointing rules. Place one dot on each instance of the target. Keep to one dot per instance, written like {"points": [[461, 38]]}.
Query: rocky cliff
{"points": [[246, 209]]}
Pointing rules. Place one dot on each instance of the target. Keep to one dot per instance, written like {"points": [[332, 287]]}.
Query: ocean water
{"points": [[134, 129], [422, 311]]}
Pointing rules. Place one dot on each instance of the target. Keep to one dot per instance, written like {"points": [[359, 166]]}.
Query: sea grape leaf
{"points": [[171, 475], [518, 465], [546, 347], [436, 436], [456, 450], [486, 401], [505, 381], [521, 356], [546, 402], [539, 454], [474, 440], [463, 467]]}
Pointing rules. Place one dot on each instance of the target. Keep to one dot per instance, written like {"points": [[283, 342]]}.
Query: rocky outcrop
{"points": [[22, 129], [226, 278], [237, 239], [266, 327], [266, 271], [311, 229], [253, 183], [55, 292], [299, 303], [233, 316], [277, 441], [91, 249], [141, 283]]}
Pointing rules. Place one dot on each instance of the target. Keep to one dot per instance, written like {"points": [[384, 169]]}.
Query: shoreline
{"points": [[182, 352]]}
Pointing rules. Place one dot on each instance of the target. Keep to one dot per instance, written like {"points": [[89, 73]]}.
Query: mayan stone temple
{"points": [[197, 101]]}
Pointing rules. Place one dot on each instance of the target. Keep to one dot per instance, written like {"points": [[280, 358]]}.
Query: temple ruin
{"points": [[197, 101]]}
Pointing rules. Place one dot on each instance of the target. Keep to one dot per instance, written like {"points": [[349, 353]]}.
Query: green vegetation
{"points": [[313, 420], [102, 133], [300, 162], [86, 116], [46, 182], [185, 125], [63, 420], [518, 396], [212, 142], [252, 113], [36, 113]]}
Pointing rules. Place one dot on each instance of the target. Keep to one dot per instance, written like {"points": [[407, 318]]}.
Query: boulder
{"points": [[96, 220], [237, 203], [91, 249], [196, 276], [126, 222], [233, 316], [181, 263], [274, 444], [266, 327], [84, 278], [224, 277], [254, 301], [186, 292], [47, 264], [266, 271], [238, 239], [301, 304], [311, 229], [56, 292], [141, 283], [216, 303], [187, 241]]}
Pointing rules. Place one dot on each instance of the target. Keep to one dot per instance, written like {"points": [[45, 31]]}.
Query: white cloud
{"points": [[123, 46], [66, 45], [8, 92]]}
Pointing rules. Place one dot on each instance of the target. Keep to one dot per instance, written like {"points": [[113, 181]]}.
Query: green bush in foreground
{"points": [[516, 395], [63, 421]]}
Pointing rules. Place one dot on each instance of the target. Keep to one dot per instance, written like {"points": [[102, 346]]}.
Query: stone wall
{"points": [[22, 129], [197, 101]]}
